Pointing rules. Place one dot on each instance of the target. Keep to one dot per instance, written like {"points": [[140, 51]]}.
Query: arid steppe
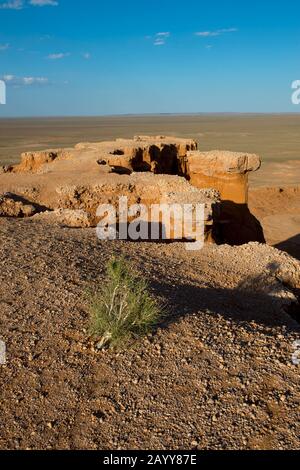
{"points": [[275, 137]]}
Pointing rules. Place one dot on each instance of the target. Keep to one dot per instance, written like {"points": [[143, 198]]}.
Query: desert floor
{"points": [[278, 210], [217, 374]]}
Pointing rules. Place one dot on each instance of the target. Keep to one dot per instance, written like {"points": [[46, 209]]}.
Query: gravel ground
{"points": [[217, 374]]}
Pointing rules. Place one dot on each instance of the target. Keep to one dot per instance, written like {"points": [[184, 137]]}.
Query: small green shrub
{"points": [[122, 309]]}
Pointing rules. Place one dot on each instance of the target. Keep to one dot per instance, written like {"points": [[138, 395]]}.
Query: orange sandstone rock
{"points": [[225, 171], [145, 169]]}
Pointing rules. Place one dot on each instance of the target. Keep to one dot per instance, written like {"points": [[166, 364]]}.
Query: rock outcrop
{"points": [[15, 206], [160, 155], [33, 161], [228, 173], [147, 170], [225, 171]]}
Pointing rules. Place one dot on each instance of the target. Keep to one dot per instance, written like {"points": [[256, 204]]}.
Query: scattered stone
{"points": [[66, 217]]}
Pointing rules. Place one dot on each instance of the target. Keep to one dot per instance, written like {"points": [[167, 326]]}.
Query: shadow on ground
{"points": [[291, 246], [244, 304], [238, 225]]}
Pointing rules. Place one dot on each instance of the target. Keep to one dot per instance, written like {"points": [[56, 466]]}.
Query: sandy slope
{"points": [[217, 375], [278, 210]]}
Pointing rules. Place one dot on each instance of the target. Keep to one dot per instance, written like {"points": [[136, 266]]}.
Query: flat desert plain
{"points": [[275, 137]]}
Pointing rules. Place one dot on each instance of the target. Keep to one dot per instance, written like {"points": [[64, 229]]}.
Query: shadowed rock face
{"points": [[147, 170], [237, 226], [228, 173]]}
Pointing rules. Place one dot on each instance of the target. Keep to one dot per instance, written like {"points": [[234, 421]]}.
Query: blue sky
{"points": [[63, 57]]}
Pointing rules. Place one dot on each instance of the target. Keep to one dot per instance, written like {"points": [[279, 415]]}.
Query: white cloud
{"points": [[160, 38], [86, 55], [159, 42], [165, 35], [20, 4], [12, 5], [218, 32], [8, 78], [35, 80], [24, 81], [4, 47], [58, 56], [43, 3]]}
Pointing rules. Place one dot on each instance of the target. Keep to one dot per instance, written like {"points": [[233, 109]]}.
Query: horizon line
{"points": [[212, 113]]}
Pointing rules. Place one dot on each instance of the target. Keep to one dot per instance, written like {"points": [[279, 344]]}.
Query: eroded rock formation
{"points": [[15, 206], [148, 170], [226, 171]]}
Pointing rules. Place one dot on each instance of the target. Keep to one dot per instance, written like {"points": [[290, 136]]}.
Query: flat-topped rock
{"points": [[225, 171], [221, 161]]}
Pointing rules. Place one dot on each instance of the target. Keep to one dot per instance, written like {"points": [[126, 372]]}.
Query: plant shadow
{"points": [[256, 300]]}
